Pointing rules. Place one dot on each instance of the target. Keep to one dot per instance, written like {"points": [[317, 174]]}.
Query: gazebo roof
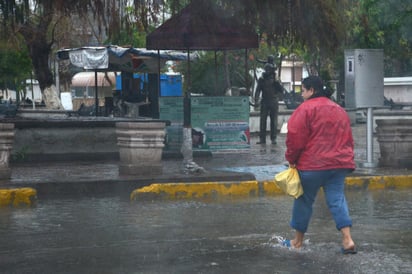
{"points": [[202, 26]]}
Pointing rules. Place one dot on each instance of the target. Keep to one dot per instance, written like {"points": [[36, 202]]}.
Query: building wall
{"points": [[399, 89], [33, 92], [286, 77]]}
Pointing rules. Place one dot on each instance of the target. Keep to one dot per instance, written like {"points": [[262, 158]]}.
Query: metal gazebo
{"points": [[200, 26]]}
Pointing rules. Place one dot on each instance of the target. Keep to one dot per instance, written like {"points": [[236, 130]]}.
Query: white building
{"points": [[32, 92], [292, 73]]}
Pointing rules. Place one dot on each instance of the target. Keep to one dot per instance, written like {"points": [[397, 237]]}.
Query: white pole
{"points": [[369, 141]]}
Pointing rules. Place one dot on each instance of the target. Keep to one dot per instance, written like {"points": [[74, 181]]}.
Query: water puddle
{"points": [[113, 235], [262, 173]]}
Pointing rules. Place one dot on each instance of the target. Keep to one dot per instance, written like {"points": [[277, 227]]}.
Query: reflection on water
{"points": [[112, 235]]}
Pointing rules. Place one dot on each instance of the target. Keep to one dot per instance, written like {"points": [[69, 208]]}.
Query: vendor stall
{"points": [[125, 62]]}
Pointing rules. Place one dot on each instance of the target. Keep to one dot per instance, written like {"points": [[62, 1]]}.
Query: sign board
{"points": [[217, 122], [90, 58]]}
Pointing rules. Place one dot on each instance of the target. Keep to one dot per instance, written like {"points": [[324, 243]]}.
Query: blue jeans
{"points": [[332, 182]]}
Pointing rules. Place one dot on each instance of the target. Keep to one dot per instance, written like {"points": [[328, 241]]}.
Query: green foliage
{"points": [[207, 76], [132, 38], [316, 31], [386, 25], [15, 67]]}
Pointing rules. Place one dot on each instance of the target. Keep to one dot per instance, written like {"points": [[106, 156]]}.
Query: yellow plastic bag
{"points": [[289, 182]]}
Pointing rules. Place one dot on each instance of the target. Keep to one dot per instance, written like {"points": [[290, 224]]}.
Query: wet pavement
{"points": [[114, 235], [107, 233]]}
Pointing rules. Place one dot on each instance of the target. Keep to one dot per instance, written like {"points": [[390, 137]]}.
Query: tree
{"points": [[312, 30], [38, 22], [15, 68], [296, 26], [386, 25], [32, 22], [282, 21]]}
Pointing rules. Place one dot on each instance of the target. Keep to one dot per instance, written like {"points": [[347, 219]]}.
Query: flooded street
{"points": [[114, 235]]}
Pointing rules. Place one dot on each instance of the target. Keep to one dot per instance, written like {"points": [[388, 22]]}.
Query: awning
{"points": [[115, 58], [87, 79]]}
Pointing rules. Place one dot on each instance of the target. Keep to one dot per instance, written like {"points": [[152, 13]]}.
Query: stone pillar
{"points": [[140, 147], [6, 144], [395, 142]]}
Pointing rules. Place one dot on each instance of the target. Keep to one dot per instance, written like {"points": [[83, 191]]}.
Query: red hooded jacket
{"points": [[320, 136]]}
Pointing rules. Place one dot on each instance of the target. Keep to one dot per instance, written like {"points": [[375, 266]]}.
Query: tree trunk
{"points": [[40, 49], [40, 52]]}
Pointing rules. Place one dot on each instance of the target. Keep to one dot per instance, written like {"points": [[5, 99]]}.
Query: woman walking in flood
{"points": [[320, 145]]}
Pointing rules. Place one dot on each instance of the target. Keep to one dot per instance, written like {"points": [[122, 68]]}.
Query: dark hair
{"points": [[316, 83]]}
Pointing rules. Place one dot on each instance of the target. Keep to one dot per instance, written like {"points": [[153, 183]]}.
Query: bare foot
{"points": [[348, 244], [295, 244]]}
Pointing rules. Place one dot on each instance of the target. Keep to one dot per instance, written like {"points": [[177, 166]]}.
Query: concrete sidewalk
{"points": [[234, 173]]}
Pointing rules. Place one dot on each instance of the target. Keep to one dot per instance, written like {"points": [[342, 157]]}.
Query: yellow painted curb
{"points": [[271, 188], [380, 182], [255, 188], [18, 197], [197, 190]]}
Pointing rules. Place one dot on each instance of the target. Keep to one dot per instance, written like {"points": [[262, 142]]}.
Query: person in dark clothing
{"points": [[270, 60], [271, 91]]}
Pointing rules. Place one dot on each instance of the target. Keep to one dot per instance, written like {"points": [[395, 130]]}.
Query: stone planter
{"points": [[6, 144], [395, 142], [140, 147], [55, 139]]}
